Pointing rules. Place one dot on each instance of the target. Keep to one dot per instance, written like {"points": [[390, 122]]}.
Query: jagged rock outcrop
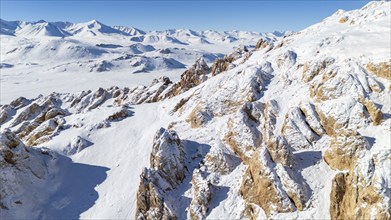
{"points": [[36, 121], [262, 43], [374, 112], [192, 77], [359, 193], [312, 117], [120, 115], [280, 151], [221, 65], [296, 129], [221, 160], [382, 69], [242, 136], [199, 115], [201, 196], [346, 113], [166, 172], [345, 150], [19, 165], [268, 184]]}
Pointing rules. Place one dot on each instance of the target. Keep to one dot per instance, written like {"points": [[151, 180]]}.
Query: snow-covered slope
{"points": [[293, 128], [51, 55]]}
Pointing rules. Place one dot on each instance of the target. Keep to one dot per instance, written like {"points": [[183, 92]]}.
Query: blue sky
{"points": [[260, 16]]}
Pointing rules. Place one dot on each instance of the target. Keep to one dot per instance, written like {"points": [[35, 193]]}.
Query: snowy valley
{"points": [[181, 124]]}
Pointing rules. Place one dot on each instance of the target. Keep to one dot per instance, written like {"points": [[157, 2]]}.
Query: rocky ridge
{"points": [[273, 120]]}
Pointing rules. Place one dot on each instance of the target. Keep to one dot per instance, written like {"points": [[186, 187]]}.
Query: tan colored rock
{"points": [[150, 199], [374, 112], [192, 77], [202, 195], [251, 211], [330, 125], [220, 65], [242, 134], [280, 151], [259, 185], [296, 129], [44, 131], [382, 70], [262, 43], [345, 149], [352, 197], [312, 117], [220, 160], [199, 116], [6, 113], [374, 85], [312, 69], [167, 170], [343, 19], [120, 115]]}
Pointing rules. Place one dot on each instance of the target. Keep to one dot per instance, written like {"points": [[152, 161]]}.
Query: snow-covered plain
{"points": [[282, 91], [42, 57]]}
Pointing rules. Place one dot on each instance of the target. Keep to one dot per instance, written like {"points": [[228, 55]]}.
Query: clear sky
{"points": [[260, 16]]}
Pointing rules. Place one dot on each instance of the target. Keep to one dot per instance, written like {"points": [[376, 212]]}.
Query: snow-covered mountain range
{"points": [[295, 126], [80, 52]]}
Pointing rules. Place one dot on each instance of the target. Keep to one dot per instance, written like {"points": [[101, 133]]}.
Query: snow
{"points": [[98, 167], [41, 57]]}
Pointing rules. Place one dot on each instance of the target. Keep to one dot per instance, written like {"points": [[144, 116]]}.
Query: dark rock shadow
{"points": [[386, 116], [303, 160], [306, 159], [76, 192], [370, 140], [219, 194], [195, 153]]}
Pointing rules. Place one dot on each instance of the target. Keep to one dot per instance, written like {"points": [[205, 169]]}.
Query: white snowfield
{"points": [[297, 127], [42, 57]]}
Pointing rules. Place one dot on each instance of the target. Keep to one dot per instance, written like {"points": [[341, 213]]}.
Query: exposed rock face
{"points": [[168, 156], [345, 149], [18, 164], [312, 118], [226, 63], [199, 116], [150, 198], [242, 135], [280, 151], [37, 121], [220, 65], [262, 43], [355, 197], [166, 172], [201, 196], [255, 135], [296, 129], [221, 160], [310, 70], [269, 185], [120, 115], [192, 77], [336, 116], [374, 112], [343, 19], [381, 69]]}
